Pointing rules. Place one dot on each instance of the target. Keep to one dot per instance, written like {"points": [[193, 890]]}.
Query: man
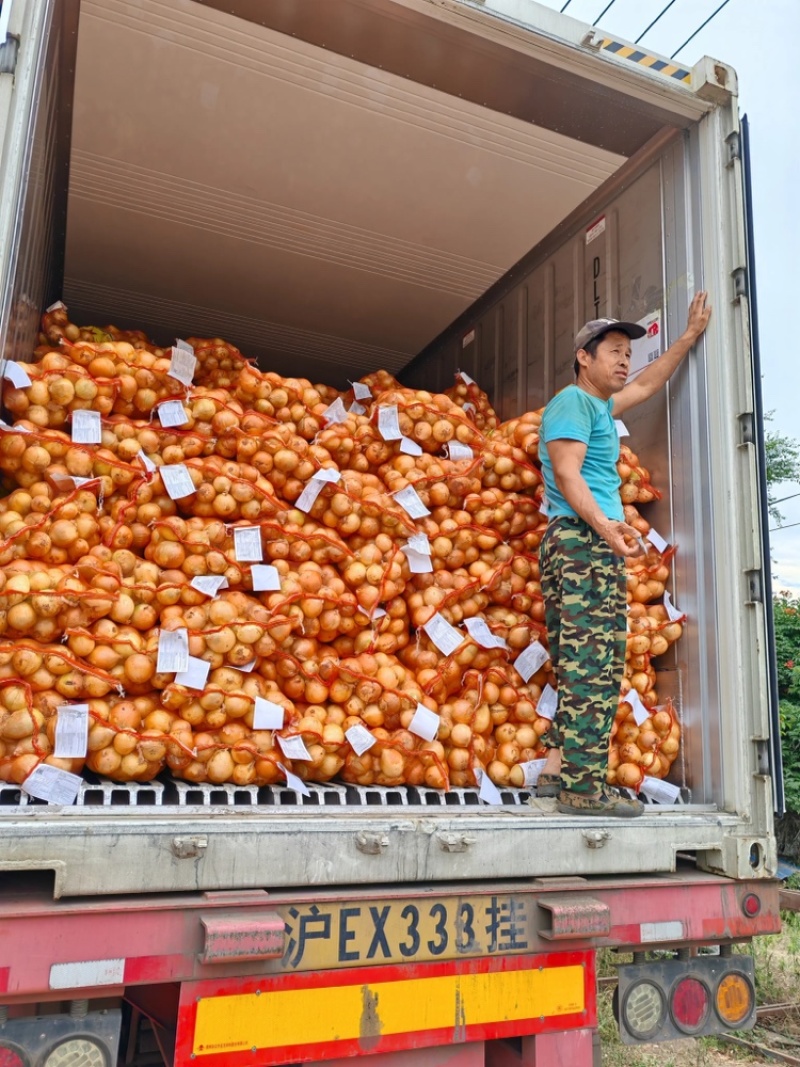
{"points": [[582, 554]]}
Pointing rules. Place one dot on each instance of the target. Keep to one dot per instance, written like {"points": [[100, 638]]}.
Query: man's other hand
{"points": [[624, 540]]}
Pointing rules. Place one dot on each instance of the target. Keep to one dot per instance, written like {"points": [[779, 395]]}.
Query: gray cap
{"points": [[600, 326]]}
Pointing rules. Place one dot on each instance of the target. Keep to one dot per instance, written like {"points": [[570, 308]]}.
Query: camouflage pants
{"points": [[583, 584]]}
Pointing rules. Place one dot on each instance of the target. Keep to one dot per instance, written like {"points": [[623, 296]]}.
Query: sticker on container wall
{"points": [[424, 723], [86, 427], [446, 637], [672, 612], [146, 462], [173, 651], [411, 502], [266, 578], [622, 429], [531, 660], [646, 350], [314, 487], [52, 784], [172, 413], [182, 365], [489, 793], [72, 731], [294, 782], [361, 391], [657, 541], [247, 547], [531, 771], [456, 451], [177, 480], [481, 634], [547, 705], [267, 715], [86, 973], [335, 412], [210, 584], [389, 422], [360, 739], [196, 674], [659, 791], [468, 338], [16, 374], [465, 378], [294, 747], [640, 712], [594, 231], [409, 447], [357, 409]]}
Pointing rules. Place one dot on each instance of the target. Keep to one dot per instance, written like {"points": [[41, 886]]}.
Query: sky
{"points": [[759, 39]]}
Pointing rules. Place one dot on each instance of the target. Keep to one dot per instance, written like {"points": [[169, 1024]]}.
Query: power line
{"points": [[606, 8], [781, 500], [774, 529], [699, 28], [564, 8], [655, 20]]}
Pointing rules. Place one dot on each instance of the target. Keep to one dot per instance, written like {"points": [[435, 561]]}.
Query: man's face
{"points": [[608, 371]]}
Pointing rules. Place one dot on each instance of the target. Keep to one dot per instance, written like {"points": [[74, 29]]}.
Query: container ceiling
{"points": [[326, 216]]}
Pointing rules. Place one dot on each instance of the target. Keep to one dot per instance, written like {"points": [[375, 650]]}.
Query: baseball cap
{"points": [[596, 327]]}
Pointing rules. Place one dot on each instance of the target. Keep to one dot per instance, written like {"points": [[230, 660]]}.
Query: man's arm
{"points": [[658, 373], [567, 459]]}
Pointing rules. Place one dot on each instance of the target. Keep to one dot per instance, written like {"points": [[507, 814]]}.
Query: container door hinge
{"points": [[762, 757], [9, 50], [755, 586], [740, 287], [747, 428], [734, 144]]}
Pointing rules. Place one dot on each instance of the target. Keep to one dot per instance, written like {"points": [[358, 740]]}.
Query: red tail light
{"points": [[689, 1005]]}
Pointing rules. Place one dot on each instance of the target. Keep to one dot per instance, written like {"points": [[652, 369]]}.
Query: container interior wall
{"points": [[639, 260]]}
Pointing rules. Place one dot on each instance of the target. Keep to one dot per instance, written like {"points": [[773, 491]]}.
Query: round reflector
{"points": [[689, 1005], [77, 1050], [644, 1010], [751, 905], [12, 1057], [735, 999]]}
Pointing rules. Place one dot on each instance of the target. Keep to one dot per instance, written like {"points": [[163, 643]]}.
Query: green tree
{"points": [[783, 466]]}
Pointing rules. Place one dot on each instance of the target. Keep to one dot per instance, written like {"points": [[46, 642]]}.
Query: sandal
{"points": [[548, 785]]}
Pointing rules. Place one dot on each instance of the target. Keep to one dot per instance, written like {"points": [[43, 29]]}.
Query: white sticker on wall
{"points": [[597, 228], [646, 350]]}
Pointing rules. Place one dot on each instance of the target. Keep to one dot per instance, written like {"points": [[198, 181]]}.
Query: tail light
{"points": [[11, 1056], [689, 1005], [77, 1050]]}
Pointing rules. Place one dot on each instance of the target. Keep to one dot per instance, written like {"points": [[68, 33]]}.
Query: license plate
{"points": [[420, 929]]}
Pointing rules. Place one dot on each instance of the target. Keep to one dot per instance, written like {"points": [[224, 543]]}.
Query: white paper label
{"points": [[268, 715], [294, 747], [13, 429], [465, 377], [622, 429], [419, 542], [360, 739], [52, 784], [468, 338], [265, 578], [646, 350], [388, 422], [547, 705], [481, 634], [72, 731], [424, 723], [596, 229], [56, 307], [456, 451], [409, 500], [177, 480], [660, 792], [196, 674], [377, 613], [489, 793], [16, 374], [468, 409], [247, 545], [409, 447], [530, 660], [173, 651], [182, 365], [184, 346], [544, 507], [315, 486], [672, 612], [145, 461], [361, 391], [357, 409], [657, 541], [295, 783], [640, 712], [335, 412], [531, 771], [418, 562], [248, 667], [210, 584], [172, 413], [446, 637], [86, 427]]}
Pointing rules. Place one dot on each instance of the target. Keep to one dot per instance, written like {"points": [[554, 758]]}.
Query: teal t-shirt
{"points": [[575, 415]]}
